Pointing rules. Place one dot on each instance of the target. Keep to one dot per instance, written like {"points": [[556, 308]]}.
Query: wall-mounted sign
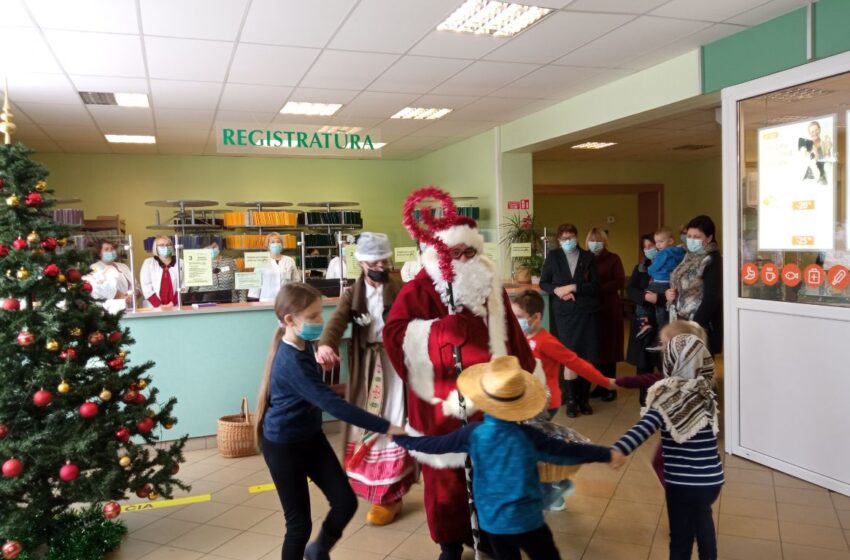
{"points": [[519, 250], [197, 264], [295, 140], [256, 259], [491, 251], [352, 265], [405, 254], [519, 204], [248, 280]]}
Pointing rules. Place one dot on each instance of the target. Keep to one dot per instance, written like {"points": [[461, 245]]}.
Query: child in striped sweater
{"points": [[683, 406]]}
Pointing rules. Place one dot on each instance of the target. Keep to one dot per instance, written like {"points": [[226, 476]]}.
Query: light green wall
{"points": [[830, 34], [110, 184]]}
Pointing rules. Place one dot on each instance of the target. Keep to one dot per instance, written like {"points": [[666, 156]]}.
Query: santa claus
{"points": [[420, 336]]}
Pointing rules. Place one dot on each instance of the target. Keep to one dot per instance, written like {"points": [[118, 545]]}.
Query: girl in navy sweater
{"points": [[289, 426], [683, 406]]}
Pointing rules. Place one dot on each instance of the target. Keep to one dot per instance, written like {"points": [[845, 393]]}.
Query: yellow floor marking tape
{"points": [[144, 506], [266, 487]]}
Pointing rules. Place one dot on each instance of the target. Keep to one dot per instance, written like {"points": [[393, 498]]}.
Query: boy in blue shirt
{"points": [[505, 454], [667, 257]]}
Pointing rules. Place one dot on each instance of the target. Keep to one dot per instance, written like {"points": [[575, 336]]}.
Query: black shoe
{"points": [[582, 398], [453, 551], [598, 392], [611, 396], [320, 549], [571, 386]]}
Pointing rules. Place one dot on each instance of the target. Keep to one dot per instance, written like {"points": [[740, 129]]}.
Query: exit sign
{"points": [[519, 204]]}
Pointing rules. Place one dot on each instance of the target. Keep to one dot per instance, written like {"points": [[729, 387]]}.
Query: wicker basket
{"points": [[236, 433], [556, 473]]}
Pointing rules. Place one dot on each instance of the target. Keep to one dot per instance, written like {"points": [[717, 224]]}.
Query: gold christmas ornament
{"points": [[22, 273], [124, 461], [63, 387], [154, 495], [62, 242], [41, 186], [142, 382], [33, 238], [52, 345], [105, 394], [61, 278], [7, 127], [121, 355], [167, 425], [76, 332], [13, 201]]}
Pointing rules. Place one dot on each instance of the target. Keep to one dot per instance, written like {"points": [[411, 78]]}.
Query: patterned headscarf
{"points": [[685, 398]]}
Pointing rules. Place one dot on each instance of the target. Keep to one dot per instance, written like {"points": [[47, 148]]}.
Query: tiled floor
{"points": [[762, 514]]}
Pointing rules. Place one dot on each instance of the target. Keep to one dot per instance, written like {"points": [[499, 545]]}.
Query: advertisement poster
{"points": [[796, 185], [256, 259], [198, 265], [248, 280]]}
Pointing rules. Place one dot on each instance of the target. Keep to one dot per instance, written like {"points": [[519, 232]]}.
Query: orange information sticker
{"points": [[802, 240], [814, 276], [749, 273], [803, 205], [791, 275], [838, 277], [770, 274]]}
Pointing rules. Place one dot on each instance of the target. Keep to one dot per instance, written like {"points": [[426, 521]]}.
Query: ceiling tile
{"points": [[19, 116], [187, 59], [455, 129], [47, 113], [415, 143], [114, 85], [415, 74], [182, 135], [636, 38], [28, 131], [457, 45], [619, 6], [688, 43], [43, 146], [447, 101], [376, 104], [87, 133], [768, 11], [394, 129], [109, 16], [294, 22], [176, 94], [288, 120], [716, 10], [81, 147], [498, 109], [358, 121], [557, 35], [15, 15], [174, 118], [549, 82], [256, 117], [180, 148], [482, 77], [314, 95], [42, 88], [108, 117], [98, 54], [13, 41], [241, 97], [271, 65], [367, 29], [219, 19], [341, 69]]}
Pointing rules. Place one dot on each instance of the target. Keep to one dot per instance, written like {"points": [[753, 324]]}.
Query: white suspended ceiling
{"points": [[207, 61]]}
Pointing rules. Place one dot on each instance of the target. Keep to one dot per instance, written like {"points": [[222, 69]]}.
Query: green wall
{"points": [[830, 31]]}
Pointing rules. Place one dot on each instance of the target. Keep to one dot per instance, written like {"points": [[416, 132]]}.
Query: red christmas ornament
{"points": [[175, 469], [42, 397], [49, 244], [122, 434], [51, 270], [4, 251], [19, 244], [68, 354], [33, 199], [4, 431], [144, 491], [115, 336], [96, 338], [11, 304], [140, 399], [88, 410], [13, 467], [86, 287], [25, 338], [69, 472], [111, 510], [73, 275], [145, 425], [11, 550], [116, 364], [130, 395]]}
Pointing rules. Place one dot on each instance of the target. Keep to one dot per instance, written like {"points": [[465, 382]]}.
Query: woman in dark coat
{"points": [[612, 279], [569, 275], [637, 354]]}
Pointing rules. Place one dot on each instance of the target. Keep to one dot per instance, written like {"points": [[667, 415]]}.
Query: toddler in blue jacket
{"points": [[505, 454], [665, 259]]}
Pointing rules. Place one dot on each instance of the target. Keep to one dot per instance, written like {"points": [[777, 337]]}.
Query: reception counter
{"points": [[209, 358]]}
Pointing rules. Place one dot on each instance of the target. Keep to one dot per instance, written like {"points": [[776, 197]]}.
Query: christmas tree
{"points": [[75, 415]]}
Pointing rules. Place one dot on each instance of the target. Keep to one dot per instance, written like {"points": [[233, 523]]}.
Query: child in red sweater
{"points": [[528, 308]]}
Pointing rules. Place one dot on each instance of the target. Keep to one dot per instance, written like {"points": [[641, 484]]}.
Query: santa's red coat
{"points": [[417, 342]]}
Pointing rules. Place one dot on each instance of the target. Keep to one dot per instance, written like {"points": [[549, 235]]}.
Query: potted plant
{"points": [[521, 229]]}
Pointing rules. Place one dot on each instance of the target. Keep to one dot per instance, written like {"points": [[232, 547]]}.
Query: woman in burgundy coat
{"points": [[612, 278]]}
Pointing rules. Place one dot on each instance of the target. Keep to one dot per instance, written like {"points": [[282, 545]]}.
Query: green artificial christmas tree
{"points": [[73, 411]]}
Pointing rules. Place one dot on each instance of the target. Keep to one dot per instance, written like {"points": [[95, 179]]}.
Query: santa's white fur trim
{"points": [[443, 461], [451, 406], [462, 234], [420, 370]]}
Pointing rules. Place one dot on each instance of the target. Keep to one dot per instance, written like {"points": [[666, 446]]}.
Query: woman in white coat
{"points": [[335, 267], [158, 276], [277, 271], [111, 281]]}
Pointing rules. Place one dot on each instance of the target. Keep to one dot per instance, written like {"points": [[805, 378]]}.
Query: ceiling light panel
{"points": [[330, 129], [499, 19], [310, 109], [593, 145], [421, 113], [129, 139]]}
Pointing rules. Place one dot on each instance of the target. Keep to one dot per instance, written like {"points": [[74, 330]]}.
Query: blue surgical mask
{"points": [[569, 245], [108, 256], [684, 238], [595, 246], [524, 325], [165, 251], [310, 331], [216, 251], [695, 245], [650, 253], [422, 247], [275, 248]]}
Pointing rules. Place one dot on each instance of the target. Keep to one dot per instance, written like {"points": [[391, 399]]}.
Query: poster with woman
{"points": [[796, 200]]}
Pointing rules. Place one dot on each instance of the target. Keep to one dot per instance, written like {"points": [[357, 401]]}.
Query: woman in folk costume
{"points": [[380, 471], [420, 337]]}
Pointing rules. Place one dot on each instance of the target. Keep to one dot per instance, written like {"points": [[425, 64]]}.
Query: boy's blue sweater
{"points": [[505, 481], [665, 262]]}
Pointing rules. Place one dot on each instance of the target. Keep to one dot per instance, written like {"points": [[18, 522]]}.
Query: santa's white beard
{"points": [[472, 285]]}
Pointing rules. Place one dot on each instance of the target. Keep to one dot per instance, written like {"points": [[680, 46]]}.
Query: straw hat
{"points": [[502, 389]]}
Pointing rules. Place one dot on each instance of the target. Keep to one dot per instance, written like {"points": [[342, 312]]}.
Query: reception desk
{"points": [[209, 358]]}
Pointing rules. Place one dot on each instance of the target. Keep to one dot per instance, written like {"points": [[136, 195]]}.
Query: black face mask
{"points": [[382, 276]]}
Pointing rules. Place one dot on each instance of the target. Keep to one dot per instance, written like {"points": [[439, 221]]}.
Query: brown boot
{"points": [[383, 514]]}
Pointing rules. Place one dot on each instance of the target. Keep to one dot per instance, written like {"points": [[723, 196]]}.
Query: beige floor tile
{"points": [[749, 491], [641, 493], [840, 501], [205, 538], [766, 529], [216, 459], [411, 518], [804, 497], [268, 500], [741, 463], [588, 505], [597, 471], [240, 517], [843, 517], [201, 513], [809, 515], [788, 481], [763, 509], [417, 547], [195, 470], [571, 547], [171, 553], [379, 540], [572, 523], [248, 546], [234, 495], [132, 549], [735, 474], [625, 531], [232, 475], [601, 549], [164, 531], [640, 476], [595, 487], [744, 548], [273, 525], [633, 511], [202, 486], [136, 520], [799, 552], [255, 478], [274, 554], [342, 553], [812, 535]]}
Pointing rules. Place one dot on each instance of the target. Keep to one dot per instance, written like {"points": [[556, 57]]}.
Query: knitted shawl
{"points": [[687, 280]]}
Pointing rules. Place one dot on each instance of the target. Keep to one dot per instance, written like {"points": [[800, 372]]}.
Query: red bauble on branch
{"points": [[115, 336], [144, 491], [130, 395], [49, 244], [4, 431], [69, 472], [145, 425], [51, 270], [11, 304], [68, 354], [111, 510], [115, 364], [12, 468], [88, 410], [33, 199], [4, 251], [73, 275], [122, 434], [140, 399], [25, 338], [96, 338], [11, 550], [19, 244], [42, 398], [86, 287]]}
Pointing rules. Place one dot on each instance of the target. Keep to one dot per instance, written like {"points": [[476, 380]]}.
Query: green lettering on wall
{"points": [[251, 138], [240, 136], [355, 141], [316, 140], [344, 141], [302, 139], [289, 139], [227, 136], [278, 139], [368, 142], [327, 136]]}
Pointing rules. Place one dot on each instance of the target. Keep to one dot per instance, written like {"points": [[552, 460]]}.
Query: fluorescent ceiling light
{"points": [[130, 139], [499, 19], [119, 99], [593, 145], [330, 129], [421, 113], [312, 109], [132, 100]]}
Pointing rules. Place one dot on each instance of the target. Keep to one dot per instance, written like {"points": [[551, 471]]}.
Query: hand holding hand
{"points": [[561, 291], [396, 431], [612, 385], [569, 297], [650, 297], [671, 295], [617, 459], [326, 357]]}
